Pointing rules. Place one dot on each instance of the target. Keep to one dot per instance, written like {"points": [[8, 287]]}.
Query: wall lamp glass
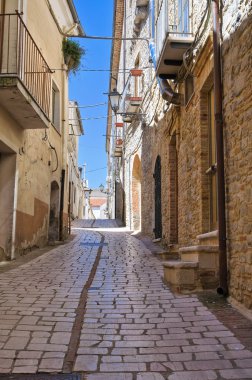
{"points": [[114, 99]]}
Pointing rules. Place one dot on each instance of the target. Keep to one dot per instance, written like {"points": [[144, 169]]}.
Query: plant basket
{"points": [[119, 142], [136, 72], [73, 54]]}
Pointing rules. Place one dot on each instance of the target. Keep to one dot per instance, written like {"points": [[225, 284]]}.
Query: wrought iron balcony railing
{"points": [[131, 98], [21, 58], [174, 20]]}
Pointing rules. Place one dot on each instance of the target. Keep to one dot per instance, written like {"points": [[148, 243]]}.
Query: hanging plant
{"points": [[73, 53]]}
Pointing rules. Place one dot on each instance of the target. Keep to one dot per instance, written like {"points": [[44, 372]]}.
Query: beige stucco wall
{"points": [[38, 165]]}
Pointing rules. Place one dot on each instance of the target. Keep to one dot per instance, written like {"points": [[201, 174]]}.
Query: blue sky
{"points": [[88, 87]]}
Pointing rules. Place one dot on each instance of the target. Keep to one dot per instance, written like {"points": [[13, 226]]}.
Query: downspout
{"points": [[130, 195], [223, 282], [2, 10], [14, 221], [166, 91], [124, 83], [64, 134]]}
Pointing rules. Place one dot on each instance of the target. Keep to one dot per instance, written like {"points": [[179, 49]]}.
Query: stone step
{"points": [[181, 276], [206, 256], [168, 255], [172, 253], [209, 238]]}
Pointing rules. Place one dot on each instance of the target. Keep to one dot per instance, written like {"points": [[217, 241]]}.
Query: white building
{"points": [[76, 188]]}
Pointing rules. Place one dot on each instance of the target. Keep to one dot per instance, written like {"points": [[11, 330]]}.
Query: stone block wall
{"points": [[237, 83], [180, 136]]}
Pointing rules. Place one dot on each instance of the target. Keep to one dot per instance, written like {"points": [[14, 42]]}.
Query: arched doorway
{"points": [[173, 189], [53, 233], [158, 200], [136, 193]]}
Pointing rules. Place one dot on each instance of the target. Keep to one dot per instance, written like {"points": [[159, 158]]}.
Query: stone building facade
{"points": [[74, 172], [33, 122], [167, 168]]}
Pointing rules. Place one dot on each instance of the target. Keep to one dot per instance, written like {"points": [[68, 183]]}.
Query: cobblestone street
{"points": [[98, 306]]}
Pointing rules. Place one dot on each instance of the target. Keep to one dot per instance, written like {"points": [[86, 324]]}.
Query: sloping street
{"points": [[98, 306]]}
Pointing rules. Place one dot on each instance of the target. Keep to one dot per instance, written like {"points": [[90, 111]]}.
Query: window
{"points": [[183, 16], [137, 79], [55, 107], [212, 162]]}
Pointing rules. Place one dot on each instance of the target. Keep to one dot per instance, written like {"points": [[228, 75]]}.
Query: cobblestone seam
{"points": [[80, 312]]}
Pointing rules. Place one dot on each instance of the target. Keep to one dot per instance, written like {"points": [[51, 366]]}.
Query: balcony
{"points": [[174, 35], [131, 99], [25, 77], [118, 151]]}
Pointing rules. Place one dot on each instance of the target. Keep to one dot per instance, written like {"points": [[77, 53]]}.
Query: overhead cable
{"points": [[89, 106]]}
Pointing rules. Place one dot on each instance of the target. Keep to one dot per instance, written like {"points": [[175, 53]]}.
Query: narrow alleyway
{"points": [[98, 306]]}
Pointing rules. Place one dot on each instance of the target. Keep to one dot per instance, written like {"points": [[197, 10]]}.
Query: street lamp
{"points": [[101, 187], [114, 99]]}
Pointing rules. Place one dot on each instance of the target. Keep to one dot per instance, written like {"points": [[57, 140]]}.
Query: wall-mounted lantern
{"points": [[114, 99]]}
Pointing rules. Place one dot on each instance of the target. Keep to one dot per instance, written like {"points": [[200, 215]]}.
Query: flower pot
{"points": [[119, 142], [136, 72]]}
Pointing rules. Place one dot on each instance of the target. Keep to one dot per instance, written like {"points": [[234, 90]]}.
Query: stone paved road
{"points": [[98, 305]]}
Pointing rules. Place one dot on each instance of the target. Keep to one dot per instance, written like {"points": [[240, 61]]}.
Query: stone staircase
{"points": [[197, 268]]}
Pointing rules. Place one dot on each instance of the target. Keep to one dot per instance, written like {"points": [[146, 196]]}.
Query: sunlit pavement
{"points": [[98, 306]]}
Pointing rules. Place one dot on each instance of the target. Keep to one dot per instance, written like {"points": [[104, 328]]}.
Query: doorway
{"points": [[7, 191], [53, 233], [136, 193], [173, 189], [158, 199]]}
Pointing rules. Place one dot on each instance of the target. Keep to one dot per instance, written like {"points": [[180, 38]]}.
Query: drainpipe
{"points": [[223, 283], [130, 195], [166, 91], [123, 216], [14, 221]]}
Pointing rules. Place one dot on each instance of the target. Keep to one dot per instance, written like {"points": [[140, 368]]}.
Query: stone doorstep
{"points": [[190, 275], [205, 256], [181, 274], [209, 238], [169, 256]]}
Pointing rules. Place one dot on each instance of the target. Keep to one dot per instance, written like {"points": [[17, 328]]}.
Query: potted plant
{"points": [[73, 53], [136, 72], [119, 142]]}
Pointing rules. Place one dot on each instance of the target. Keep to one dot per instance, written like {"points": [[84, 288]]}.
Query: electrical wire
{"points": [[45, 138], [96, 170], [120, 71], [92, 118], [89, 106]]}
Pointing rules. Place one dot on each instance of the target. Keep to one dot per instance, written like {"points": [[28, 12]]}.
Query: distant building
{"points": [[98, 203], [75, 183]]}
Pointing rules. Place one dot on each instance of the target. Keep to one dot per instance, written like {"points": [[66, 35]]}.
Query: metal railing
{"points": [[132, 92], [125, 94], [20, 57], [173, 17]]}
